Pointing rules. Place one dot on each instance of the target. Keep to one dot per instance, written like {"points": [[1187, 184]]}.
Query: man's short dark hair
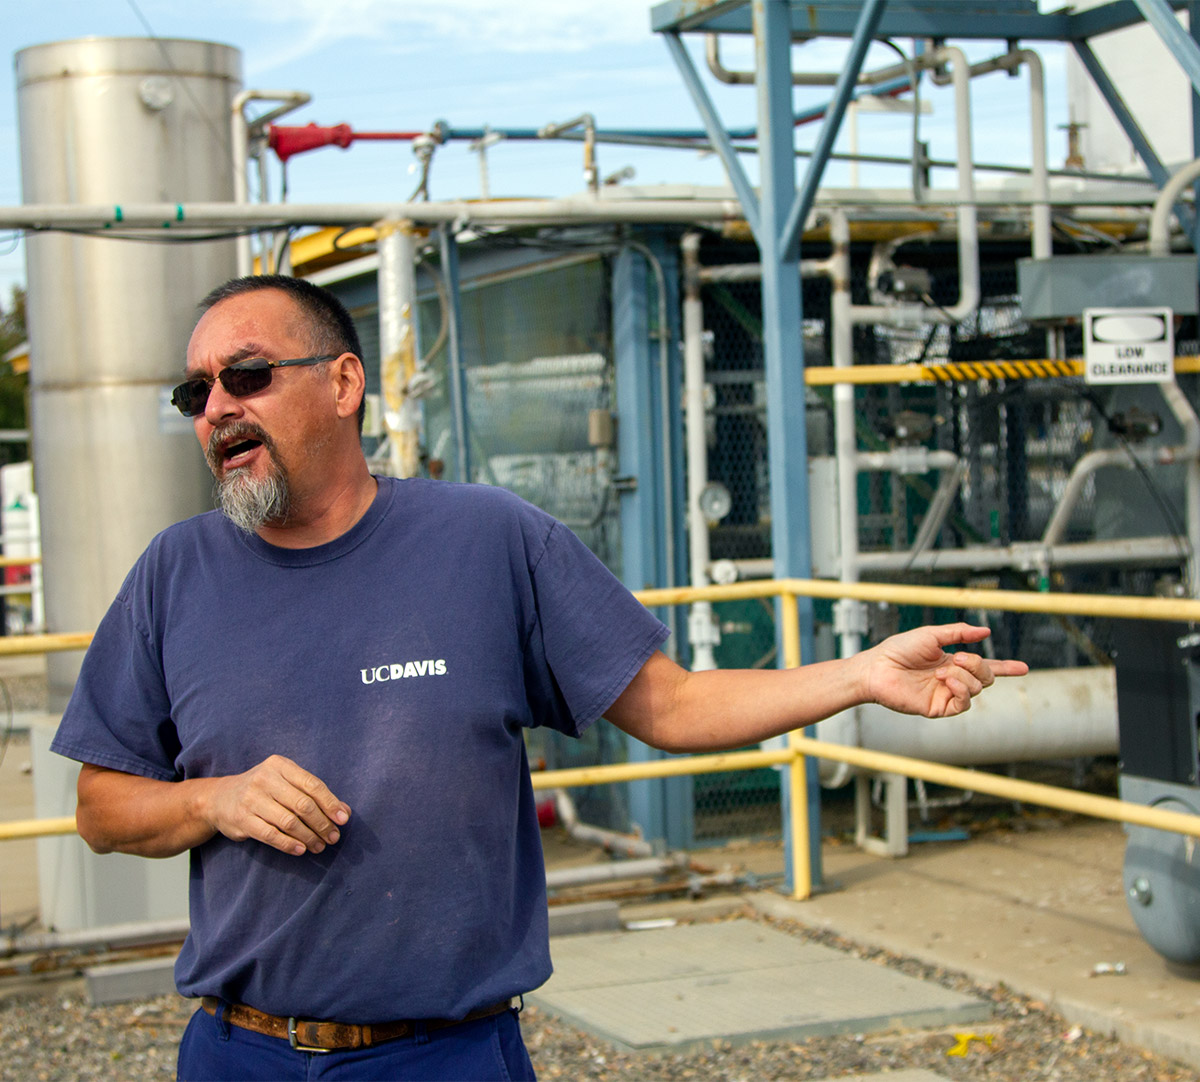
{"points": [[332, 328]]}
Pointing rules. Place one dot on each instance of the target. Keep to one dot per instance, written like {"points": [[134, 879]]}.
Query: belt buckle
{"points": [[291, 1029]]}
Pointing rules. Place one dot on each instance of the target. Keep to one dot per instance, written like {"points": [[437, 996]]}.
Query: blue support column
{"points": [[783, 347], [662, 808], [1183, 47], [1194, 25]]}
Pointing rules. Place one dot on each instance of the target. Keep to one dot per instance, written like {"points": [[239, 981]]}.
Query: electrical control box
{"points": [[1060, 288]]}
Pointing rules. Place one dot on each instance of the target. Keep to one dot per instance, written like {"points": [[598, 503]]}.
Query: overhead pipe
{"points": [[591, 172], [241, 130], [1011, 62], [712, 55], [1164, 205], [968, 222]]}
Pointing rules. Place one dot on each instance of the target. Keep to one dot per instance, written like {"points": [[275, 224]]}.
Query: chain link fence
{"points": [[537, 359]]}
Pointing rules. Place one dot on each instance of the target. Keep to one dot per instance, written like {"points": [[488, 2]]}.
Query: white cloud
{"points": [[467, 26]]}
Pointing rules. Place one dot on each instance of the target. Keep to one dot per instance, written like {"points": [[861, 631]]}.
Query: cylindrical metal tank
{"points": [[113, 121]]}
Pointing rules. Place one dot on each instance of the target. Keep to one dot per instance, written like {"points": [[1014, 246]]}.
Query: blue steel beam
{"points": [[1159, 15], [716, 130], [971, 19], [661, 807], [843, 91], [1154, 166], [783, 345]]}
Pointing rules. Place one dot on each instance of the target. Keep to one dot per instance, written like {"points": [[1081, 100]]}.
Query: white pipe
{"points": [[906, 460], [112, 936], [398, 342], [160, 217], [292, 99], [1022, 556], [968, 222], [1188, 452], [701, 625], [611, 841], [1043, 246], [1050, 714], [1164, 205], [557, 878], [849, 631]]}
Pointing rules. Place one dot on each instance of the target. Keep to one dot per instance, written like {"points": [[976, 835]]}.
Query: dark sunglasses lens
{"points": [[191, 397], [240, 382]]}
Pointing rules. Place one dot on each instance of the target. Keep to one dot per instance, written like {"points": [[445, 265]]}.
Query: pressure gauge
{"points": [[715, 501]]}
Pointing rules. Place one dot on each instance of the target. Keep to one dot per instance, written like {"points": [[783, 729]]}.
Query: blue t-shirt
{"points": [[400, 664]]}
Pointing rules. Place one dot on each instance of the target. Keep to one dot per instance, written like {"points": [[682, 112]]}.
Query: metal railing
{"points": [[799, 746]]}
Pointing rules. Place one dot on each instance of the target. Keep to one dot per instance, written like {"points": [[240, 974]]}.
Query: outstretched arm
{"points": [[676, 710]]}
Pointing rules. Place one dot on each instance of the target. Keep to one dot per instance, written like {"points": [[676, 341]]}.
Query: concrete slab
{"points": [[584, 917], [122, 981], [735, 981]]}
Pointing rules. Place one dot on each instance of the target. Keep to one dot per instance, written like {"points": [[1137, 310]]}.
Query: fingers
{"points": [[950, 634], [282, 805]]}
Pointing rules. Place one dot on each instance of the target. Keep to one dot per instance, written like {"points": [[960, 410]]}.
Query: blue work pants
{"points": [[212, 1050]]}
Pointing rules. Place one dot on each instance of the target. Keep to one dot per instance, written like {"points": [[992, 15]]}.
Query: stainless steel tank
{"points": [[112, 121]]}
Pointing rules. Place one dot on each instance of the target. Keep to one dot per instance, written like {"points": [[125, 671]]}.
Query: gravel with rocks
{"points": [[52, 1035]]}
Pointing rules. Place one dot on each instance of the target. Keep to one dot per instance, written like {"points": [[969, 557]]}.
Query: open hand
{"points": [[912, 673]]}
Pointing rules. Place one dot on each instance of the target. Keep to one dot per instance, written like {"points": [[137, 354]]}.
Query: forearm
{"points": [[678, 711], [125, 813]]}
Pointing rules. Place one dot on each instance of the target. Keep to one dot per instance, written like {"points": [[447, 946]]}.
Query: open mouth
{"points": [[235, 447], [235, 450]]}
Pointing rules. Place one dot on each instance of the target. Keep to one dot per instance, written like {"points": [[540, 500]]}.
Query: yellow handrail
{"points": [[36, 828], [799, 746]]}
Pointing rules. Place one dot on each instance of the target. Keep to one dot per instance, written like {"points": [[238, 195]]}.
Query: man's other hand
{"points": [[912, 673]]}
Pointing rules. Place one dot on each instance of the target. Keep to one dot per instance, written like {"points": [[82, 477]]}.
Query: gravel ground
{"points": [[52, 1035]]}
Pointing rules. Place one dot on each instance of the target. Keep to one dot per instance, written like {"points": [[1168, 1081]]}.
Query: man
{"points": [[322, 693]]}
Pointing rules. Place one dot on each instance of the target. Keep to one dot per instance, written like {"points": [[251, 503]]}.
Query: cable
{"points": [[208, 120], [1174, 523]]}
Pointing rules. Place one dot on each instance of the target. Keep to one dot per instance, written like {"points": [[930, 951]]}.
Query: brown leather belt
{"points": [[308, 1036]]}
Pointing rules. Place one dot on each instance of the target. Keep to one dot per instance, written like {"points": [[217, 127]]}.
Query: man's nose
{"points": [[221, 405]]}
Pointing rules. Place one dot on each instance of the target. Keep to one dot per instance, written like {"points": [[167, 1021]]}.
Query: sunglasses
{"points": [[240, 379]]}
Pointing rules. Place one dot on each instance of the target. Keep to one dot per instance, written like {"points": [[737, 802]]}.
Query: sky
{"points": [[403, 65]]}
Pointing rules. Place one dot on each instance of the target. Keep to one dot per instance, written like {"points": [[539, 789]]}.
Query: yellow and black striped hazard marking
{"points": [[962, 371]]}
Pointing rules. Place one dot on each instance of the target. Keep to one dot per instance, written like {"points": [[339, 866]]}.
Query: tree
{"points": [[14, 386]]}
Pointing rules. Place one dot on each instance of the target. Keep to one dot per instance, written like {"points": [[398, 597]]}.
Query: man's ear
{"points": [[349, 383]]}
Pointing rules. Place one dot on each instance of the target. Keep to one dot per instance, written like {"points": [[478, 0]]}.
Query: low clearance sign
{"points": [[1128, 345]]}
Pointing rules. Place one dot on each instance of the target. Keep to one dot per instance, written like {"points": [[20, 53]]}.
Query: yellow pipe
{"points": [[798, 770], [949, 597], [1098, 807], [960, 371], [1026, 792], [36, 828], [44, 644], [659, 768], [19, 561]]}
